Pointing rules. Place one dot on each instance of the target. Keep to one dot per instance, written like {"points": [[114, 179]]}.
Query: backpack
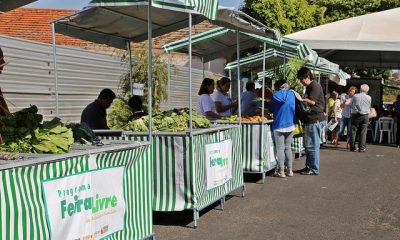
{"points": [[302, 109]]}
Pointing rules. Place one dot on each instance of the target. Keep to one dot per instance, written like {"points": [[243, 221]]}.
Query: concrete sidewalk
{"points": [[356, 196]]}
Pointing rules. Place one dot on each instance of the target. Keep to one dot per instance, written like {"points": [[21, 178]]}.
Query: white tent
{"points": [[371, 40], [8, 5]]}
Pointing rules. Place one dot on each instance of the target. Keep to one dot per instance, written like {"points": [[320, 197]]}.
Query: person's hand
{"points": [[234, 103]]}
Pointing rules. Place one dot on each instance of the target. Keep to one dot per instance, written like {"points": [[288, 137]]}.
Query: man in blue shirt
{"points": [[95, 114], [248, 100]]}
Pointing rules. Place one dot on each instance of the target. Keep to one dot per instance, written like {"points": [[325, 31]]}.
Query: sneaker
{"points": [[362, 150], [300, 170], [289, 173], [309, 172], [280, 174]]}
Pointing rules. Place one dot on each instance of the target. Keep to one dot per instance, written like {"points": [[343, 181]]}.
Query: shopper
{"points": [[282, 105], [345, 122], [95, 114], [360, 107], [336, 117], [248, 100], [313, 121], [205, 105], [222, 99]]}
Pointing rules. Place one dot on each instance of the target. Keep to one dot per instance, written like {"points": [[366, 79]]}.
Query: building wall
{"points": [[29, 78]]}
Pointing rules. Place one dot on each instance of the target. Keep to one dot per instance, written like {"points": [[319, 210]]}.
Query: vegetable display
{"points": [[245, 119], [175, 120], [22, 132]]}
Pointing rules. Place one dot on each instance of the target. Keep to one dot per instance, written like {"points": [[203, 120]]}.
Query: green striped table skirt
{"points": [[179, 167], [22, 205], [257, 145]]}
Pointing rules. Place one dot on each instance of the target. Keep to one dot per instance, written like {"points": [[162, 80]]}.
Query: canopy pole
{"points": [[238, 76], [284, 64], [53, 33], [190, 76], [263, 81], [150, 68], [169, 80], [230, 73], [202, 66], [128, 43]]}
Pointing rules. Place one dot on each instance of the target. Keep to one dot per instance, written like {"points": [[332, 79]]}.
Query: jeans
{"points": [[312, 132], [283, 146], [345, 122], [359, 126]]}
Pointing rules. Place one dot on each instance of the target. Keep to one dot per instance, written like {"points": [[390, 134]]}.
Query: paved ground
{"points": [[356, 196]]}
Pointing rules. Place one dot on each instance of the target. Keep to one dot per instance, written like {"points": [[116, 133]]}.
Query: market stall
{"points": [[91, 192], [257, 146], [190, 170]]}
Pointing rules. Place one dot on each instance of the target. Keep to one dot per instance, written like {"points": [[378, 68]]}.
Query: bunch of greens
{"points": [[83, 133], [22, 132], [175, 120]]}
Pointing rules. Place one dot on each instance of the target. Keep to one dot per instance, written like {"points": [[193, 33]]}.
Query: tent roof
{"points": [[371, 40], [221, 42], [8, 5], [115, 25]]}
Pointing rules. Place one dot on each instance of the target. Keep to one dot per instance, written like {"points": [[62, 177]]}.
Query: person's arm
{"points": [[221, 108], [309, 101], [211, 114]]}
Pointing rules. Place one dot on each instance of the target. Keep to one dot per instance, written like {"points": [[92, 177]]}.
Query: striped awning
{"points": [[208, 8], [219, 42], [209, 44]]}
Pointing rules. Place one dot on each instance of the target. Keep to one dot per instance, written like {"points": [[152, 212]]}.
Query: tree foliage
{"points": [[140, 75], [285, 15], [342, 9]]}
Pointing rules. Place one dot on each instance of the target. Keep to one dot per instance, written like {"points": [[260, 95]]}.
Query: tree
{"points": [[140, 73], [342, 9], [285, 15]]}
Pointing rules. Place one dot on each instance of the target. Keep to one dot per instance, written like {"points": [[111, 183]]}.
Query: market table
{"points": [[111, 197], [182, 166], [257, 146]]}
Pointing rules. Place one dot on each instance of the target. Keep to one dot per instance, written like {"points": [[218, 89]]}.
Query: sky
{"points": [[79, 4]]}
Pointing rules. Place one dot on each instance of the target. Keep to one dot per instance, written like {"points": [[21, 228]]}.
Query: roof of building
{"points": [[35, 24]]}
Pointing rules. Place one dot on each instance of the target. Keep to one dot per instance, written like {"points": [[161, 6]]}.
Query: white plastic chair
{"points": [[385, 124]]}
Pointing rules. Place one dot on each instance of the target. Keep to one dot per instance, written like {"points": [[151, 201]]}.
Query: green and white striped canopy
{"points": [[221, 42], [116, 22], [208, 8]]}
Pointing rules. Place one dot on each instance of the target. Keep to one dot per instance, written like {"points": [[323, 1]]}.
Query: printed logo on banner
{"points": [[85, 206], [218, 163]]}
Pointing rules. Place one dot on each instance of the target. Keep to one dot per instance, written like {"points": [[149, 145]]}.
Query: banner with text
{"points": [[85, 206], [219, 163]]}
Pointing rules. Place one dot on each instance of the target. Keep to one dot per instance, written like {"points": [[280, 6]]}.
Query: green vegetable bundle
{"points": [[175, 120], [23, 132]]}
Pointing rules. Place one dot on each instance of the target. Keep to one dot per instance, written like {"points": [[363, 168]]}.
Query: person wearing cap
{"points": [[313, 121], [95, 114], [3, 104], [282, 105]]}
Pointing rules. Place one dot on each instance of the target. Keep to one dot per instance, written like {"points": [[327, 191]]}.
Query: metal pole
{"points": [[53, 32], [238, 75], [190, 76], [130, 66], [150, 68], [263, 82], [169, 80], [202, 66], [284, 65], [230, 74]]}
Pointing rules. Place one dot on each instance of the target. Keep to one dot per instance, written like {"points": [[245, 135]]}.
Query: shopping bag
{"points": [[332, 124], [298, 129]]}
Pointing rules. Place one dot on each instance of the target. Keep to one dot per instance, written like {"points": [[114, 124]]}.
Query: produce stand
{"points": [[26, 208], [257, 146], [180, 167]]}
